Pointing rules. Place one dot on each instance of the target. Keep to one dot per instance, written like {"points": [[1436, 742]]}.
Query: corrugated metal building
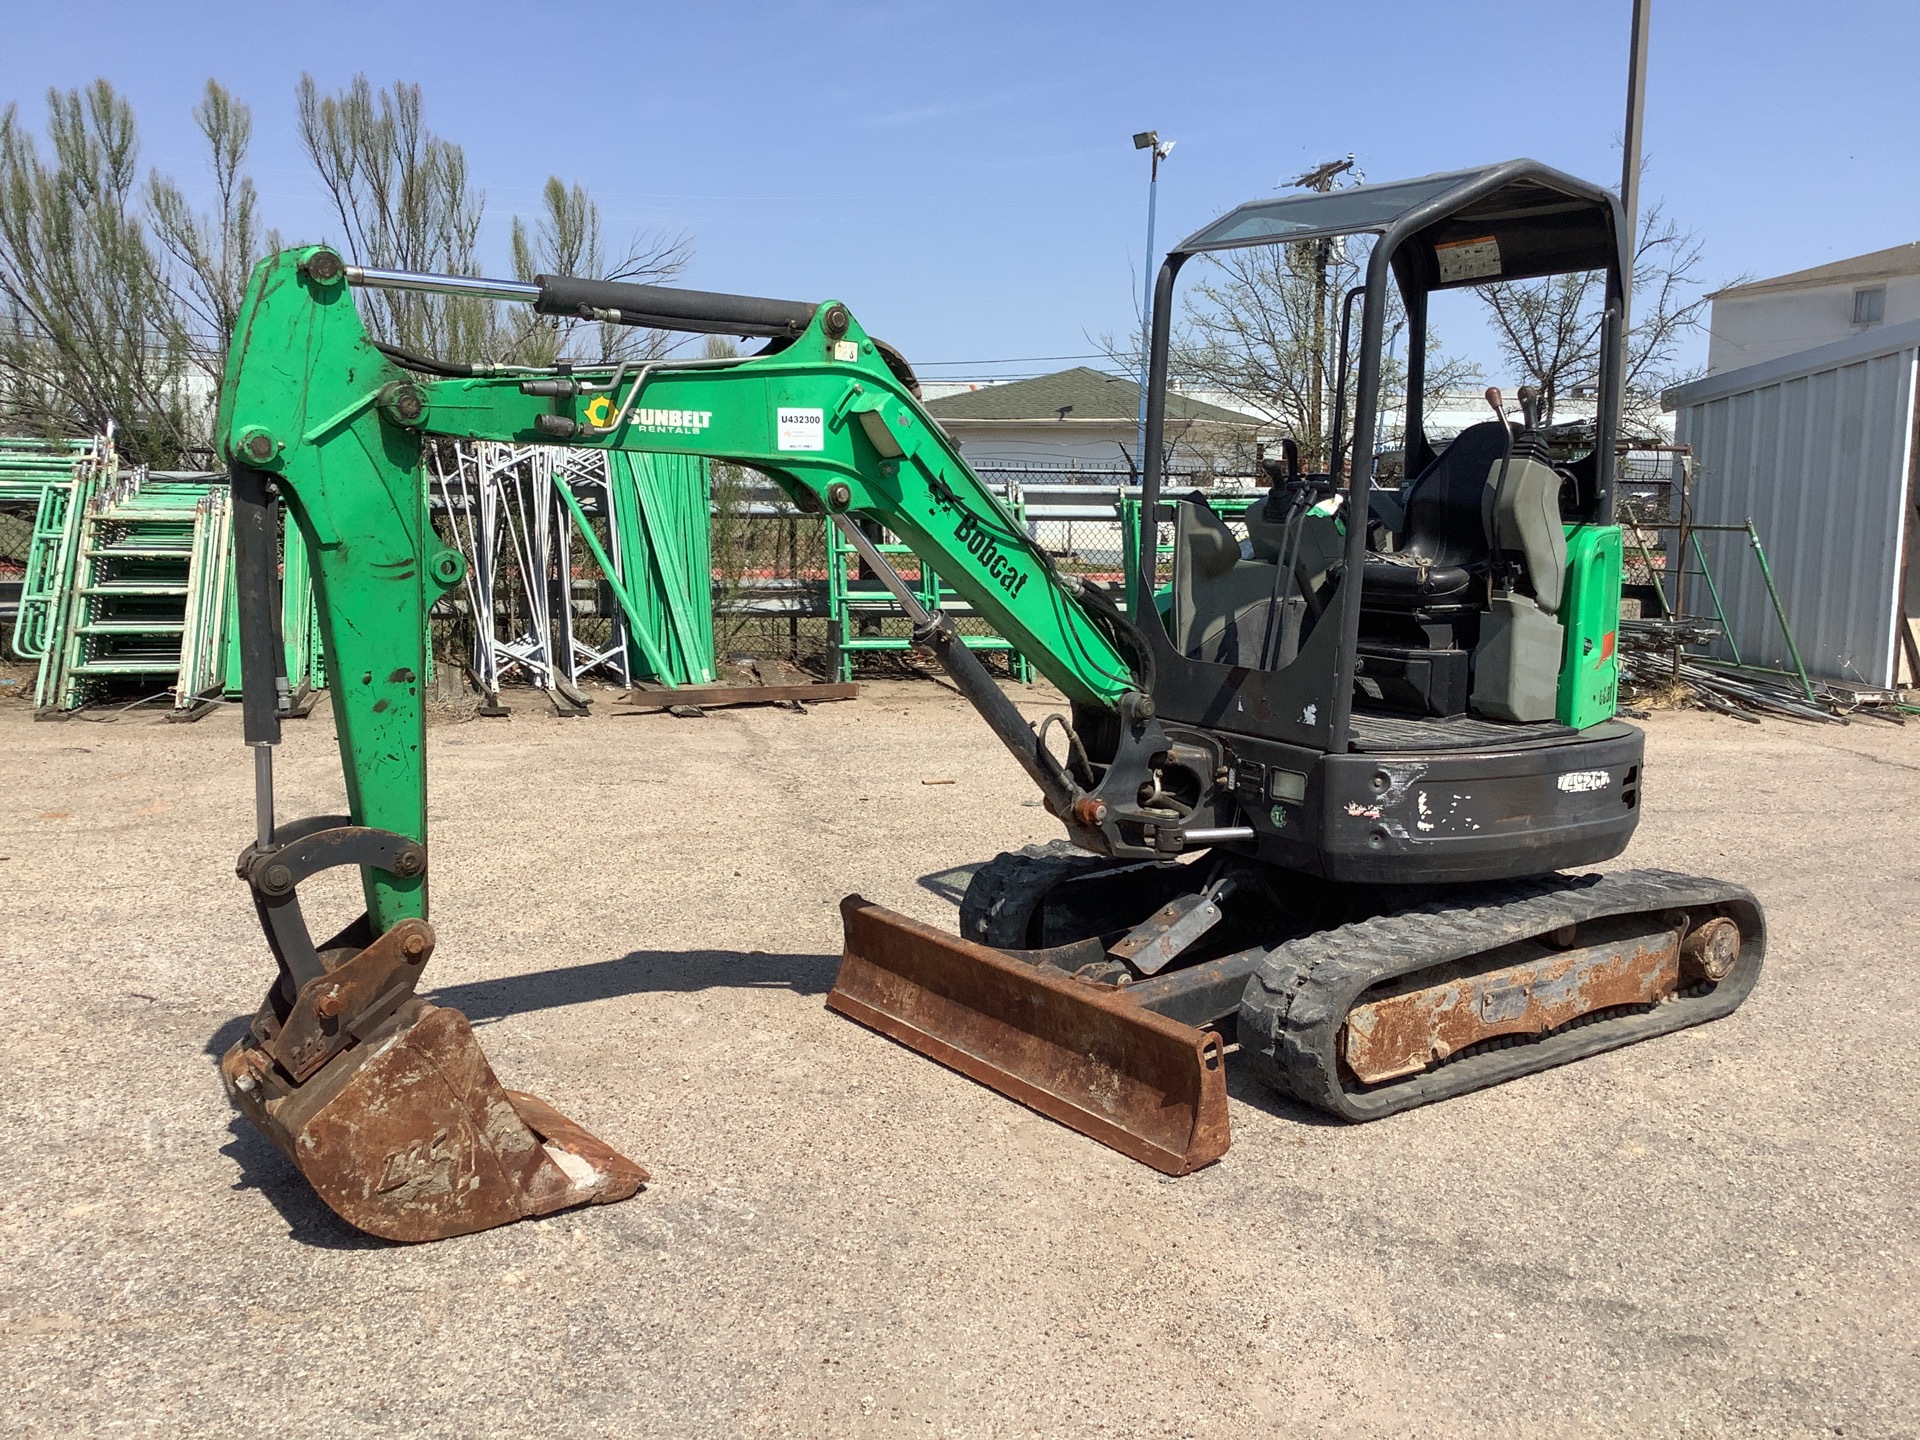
{"points": [[1817, 449]]}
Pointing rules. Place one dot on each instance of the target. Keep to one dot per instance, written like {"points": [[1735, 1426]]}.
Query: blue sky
{"points": [[963, 176]]}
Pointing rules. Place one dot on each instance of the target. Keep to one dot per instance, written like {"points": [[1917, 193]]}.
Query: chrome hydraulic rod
{"points": [[368, 278], [263, 794]]}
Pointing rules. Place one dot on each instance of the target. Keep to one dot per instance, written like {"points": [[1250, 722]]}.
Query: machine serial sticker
{"points": [[800, 429], [1468, 259], [1578, 782]]}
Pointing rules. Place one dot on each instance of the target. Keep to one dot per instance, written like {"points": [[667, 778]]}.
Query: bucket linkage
{"points": [[385, 1103]]}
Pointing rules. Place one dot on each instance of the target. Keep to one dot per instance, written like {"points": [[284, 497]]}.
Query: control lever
{"points": [[1530, 406]]}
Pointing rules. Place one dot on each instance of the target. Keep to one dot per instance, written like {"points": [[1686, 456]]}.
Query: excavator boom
{"points": [[386, 1103]]}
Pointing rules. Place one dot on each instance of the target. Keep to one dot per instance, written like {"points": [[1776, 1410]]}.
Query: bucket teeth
{"points": [[409, 1135], [1077, 1052]]}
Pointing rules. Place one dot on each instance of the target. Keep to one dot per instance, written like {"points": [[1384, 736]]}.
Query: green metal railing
{"points": [[1691, 531], [858, 606], [43, 474]]}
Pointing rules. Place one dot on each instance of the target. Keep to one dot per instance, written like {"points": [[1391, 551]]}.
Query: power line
{"points": [[1013, 360]]}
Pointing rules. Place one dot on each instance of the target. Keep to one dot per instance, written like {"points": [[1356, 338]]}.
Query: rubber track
{"points": [[1291, 1014], [1003, 894]]}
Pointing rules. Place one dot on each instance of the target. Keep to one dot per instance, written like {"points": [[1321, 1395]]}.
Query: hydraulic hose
{"points": [[1123, 631]]}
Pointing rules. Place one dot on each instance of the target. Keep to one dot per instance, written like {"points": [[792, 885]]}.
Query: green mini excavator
{"points": [[1327, 791]]}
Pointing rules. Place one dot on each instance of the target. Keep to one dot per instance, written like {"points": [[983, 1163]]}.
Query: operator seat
{"points": [[1446, 538]]}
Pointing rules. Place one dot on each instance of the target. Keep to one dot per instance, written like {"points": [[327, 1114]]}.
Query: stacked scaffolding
{"points": [[37, 479], [125, 584], [583, 564], [527, 517]]}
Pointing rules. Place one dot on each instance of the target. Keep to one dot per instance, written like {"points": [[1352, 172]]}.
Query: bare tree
{"points": [[89, 332], [1262, 326], [1669, 300], [213, 255], [404, 202], [566, 241], [112, 293], [1549, 329]]}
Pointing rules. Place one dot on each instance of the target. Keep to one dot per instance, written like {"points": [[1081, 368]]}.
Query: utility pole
{"points": [[1630, 162], [1148, 140], [1321, 179]]}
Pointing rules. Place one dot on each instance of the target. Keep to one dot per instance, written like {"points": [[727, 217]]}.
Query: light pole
{"points": [[1148, 140]]}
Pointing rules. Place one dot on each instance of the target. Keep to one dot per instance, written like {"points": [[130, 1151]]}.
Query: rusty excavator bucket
{"points": [[387, 1106], [1079, 1053]]}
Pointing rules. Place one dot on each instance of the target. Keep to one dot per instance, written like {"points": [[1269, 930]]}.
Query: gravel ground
{"points": [[1709, 1234]]}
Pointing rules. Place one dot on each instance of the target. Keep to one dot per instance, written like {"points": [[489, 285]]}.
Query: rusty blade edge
{"points": [[1208, 1132], [1045, 1102]]}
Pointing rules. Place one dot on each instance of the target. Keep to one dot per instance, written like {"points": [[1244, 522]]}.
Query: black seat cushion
{"points": [[1414, 579], [1444, 540]]}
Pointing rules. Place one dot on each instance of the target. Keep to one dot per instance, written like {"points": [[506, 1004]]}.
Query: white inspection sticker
{"points": [[1468, 259], [799, 429], [1577, 782]]}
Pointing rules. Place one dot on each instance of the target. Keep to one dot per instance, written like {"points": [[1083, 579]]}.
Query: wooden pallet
{"points": [[749, 682]]}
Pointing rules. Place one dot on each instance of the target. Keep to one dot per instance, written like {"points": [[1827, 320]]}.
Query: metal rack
{"points": [[858, 606]]}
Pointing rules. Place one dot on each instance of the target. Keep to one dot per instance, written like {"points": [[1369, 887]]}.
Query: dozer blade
{"points": [[408, 1134], [1077, 1052]]}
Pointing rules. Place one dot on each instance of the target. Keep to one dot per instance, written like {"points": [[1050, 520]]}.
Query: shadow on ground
{"points": [[309, 1221], [1241, 1086], [637, 973], [950, 885]]}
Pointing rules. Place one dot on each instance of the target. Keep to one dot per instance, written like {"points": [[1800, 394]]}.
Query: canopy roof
{"points": [[1511, 221]]}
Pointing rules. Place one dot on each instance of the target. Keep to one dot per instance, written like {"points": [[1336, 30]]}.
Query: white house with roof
{"points": [[1086, 419], [1767, 319]]}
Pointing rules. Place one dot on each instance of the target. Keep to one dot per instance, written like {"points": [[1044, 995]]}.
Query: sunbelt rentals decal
{"points": [[601, 413]]}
